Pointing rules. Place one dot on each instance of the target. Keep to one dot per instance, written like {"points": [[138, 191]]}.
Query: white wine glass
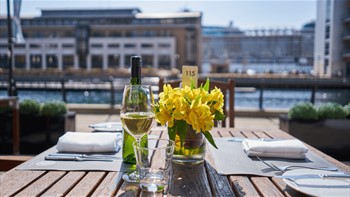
{"points": [[137, 115]]}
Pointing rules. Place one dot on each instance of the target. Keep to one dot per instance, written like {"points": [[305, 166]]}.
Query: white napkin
{"points": [[88, 142], [292, 149]]}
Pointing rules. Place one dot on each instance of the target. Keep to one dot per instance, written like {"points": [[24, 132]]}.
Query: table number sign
{"points": [[189, 74]]}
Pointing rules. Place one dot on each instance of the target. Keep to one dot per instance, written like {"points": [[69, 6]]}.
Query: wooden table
{"points": [[198, 180]]}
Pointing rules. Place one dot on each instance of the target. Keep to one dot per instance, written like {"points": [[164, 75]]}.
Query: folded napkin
{"points": [[88, 142], [292, 149]]}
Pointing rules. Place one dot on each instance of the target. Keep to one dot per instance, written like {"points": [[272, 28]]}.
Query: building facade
{"points": [[332, 48], [103, 39], [259, 45]]}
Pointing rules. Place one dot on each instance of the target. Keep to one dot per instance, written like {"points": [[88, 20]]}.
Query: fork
{"points": [[285, 168]]}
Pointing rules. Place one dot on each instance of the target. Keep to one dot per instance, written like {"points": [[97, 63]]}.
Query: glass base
{"points": [[193, 160], [131, 177]]}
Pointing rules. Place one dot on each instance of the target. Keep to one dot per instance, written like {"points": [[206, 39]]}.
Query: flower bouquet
{"points": [[189, 108]]}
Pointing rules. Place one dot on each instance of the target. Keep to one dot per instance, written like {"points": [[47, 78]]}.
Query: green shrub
{"points": [[331, 111], [303, 111], [347, 110], [29, 106], [54, 108], [5, 109]]}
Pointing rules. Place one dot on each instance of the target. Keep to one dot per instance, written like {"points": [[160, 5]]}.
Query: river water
{"points": [[272, 98]]}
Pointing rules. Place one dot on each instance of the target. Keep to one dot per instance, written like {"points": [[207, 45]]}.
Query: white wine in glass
{"points": [[137, 115]]}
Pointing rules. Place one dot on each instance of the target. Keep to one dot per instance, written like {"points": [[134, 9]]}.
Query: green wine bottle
{"points": [[128, 151]]}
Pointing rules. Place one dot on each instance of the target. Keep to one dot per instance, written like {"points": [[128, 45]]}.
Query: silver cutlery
{"points": [[84, 155], [75, 158], [314, 176], [285, 168]]}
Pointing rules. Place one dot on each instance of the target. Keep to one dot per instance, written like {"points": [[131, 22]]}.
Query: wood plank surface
{"points": [[87, 184], [265, 187], [65, 184], [189, 180], [220, 185], [109, 185], [242, 186], [195, 180], [14, 180], [39, 186]]}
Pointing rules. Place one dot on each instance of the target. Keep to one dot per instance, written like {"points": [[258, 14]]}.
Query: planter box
{"points": [[37, 133], [331, 136]]}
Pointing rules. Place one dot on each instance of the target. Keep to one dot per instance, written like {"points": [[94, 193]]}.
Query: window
{"points": [[128, 46], [34, 46], [147, 60], [113, 61], [146, 45], [127, 60], [3, 61], [164, 45], [35, 61], [96, 45], [20, 61], [51, 61], [164, 61], [113, 45], [96, 61], [68, 61], [68, 45]]}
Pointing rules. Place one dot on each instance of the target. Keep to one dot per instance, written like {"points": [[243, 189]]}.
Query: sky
{"points": [[245, 14]]}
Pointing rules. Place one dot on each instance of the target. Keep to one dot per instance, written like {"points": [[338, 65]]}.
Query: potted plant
{"points": [[325, 127], [29, 110], [41, 124]]}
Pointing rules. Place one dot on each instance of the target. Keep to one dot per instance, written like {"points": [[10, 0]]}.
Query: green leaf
{"points": [[207, 85], [192, 84], [172, 132], [182, 130], [219, 115], [209, 138]]}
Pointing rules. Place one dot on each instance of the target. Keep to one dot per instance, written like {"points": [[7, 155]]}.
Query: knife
{"points": [[314, 176], [75, 158], [101, 156]]}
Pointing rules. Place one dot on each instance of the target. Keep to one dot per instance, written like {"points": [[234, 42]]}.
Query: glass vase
{"points": [[192, 151]]}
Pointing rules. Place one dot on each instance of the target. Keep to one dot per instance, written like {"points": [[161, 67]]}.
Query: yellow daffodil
{"points": [[193, 106]]}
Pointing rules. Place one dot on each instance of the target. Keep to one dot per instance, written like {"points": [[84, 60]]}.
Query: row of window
{"points": [[94, 33], [100, 21], [36, 61], [67, 46]]}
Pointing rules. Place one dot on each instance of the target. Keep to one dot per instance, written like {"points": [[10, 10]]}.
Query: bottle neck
{"points": [[135, 75], [135, 63]]}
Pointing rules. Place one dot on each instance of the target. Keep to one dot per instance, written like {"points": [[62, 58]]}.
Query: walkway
{"points": [[83, 120]]}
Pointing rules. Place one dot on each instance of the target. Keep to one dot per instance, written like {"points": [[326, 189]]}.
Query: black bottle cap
{"points": [[136, 61]]}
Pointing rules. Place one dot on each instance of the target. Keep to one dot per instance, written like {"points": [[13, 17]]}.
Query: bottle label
{"points": [[189, 75]]}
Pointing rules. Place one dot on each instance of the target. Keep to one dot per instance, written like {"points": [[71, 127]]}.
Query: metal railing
{"points": [[116, 84]]}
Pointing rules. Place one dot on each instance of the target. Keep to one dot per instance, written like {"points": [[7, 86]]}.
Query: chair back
{"points": [[227, 89]]}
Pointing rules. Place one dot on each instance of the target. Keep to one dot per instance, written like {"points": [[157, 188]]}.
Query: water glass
{"points": [[154, 163]]}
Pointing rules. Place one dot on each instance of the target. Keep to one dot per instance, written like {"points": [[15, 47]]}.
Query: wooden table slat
{"points": [[65, 184], [189, 180], [109, 185], [265, 186], [15, 180], [242, 186], [219, 183], [128, 190], [40, 185], [87, 184]]}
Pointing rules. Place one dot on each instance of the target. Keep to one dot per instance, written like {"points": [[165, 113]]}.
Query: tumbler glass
{"points": [[154, 163]]}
